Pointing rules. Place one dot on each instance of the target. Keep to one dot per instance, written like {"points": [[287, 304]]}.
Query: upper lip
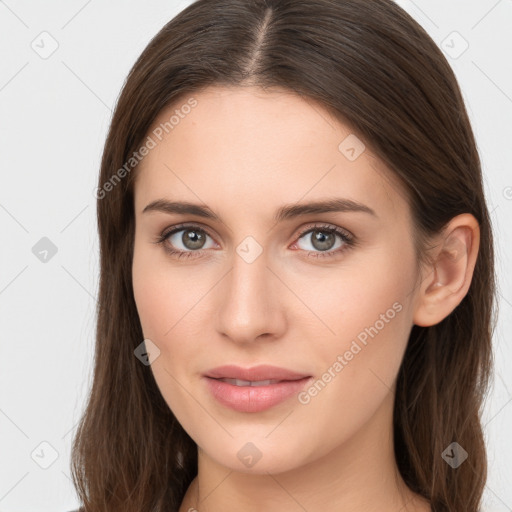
{"points": [[256, 373]]}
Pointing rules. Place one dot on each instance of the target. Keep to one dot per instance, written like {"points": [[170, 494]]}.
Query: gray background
{"points": [[54, 114]]}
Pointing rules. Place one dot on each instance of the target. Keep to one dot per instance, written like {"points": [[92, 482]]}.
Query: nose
{"points": [[250, 301]]}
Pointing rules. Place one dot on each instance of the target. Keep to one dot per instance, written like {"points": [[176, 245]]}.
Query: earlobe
{"points": [[449, 276]]}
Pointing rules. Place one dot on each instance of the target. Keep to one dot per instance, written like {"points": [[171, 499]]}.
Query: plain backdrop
{"points": [[61, 70]]}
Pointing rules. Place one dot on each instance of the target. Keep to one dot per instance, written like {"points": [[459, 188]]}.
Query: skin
{"points": [[245, 152]]}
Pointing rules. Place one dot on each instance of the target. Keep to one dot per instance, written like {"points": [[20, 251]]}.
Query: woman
{"points": [[297, 280]]}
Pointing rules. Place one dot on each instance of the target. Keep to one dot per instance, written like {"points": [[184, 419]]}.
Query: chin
{"points": [[259, 457]]}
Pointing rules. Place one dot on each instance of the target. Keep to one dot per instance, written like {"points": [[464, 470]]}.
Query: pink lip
{"points": [[254, 398], [256, 373]]}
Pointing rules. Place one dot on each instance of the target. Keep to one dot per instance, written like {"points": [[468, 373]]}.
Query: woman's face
{"points": [[247, 288]]}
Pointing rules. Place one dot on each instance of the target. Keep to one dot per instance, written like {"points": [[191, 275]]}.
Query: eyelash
{"points": [[348, 240]]}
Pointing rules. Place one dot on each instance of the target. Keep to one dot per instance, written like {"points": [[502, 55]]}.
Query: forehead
{"points": [[246, 143]]}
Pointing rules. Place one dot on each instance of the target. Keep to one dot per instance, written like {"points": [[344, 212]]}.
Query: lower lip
{"points": [[254, 398]]}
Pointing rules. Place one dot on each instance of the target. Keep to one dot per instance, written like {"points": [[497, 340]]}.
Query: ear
{"points": [[448, 276]]}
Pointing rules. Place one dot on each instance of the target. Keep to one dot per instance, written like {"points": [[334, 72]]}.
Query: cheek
{"points": [[357, 368], [170, 304], [372, 298], [151, 299], [161, 294], [164, 300], [370, 312]]}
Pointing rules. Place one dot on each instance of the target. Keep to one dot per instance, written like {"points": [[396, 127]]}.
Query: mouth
{"points": [[253, 396], [257, 383]]}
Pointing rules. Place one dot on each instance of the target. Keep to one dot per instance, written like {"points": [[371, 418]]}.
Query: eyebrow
{"points": [[285, 212]]}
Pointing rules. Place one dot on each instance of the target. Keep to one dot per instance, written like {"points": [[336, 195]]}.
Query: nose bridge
{"points": [[248, 306]]}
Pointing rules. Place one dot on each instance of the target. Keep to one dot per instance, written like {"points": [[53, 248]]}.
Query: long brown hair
{"points": [[376, 69]]}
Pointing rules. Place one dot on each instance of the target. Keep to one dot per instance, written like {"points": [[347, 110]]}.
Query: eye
{"points": [[188, 241], [321, 240]]}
